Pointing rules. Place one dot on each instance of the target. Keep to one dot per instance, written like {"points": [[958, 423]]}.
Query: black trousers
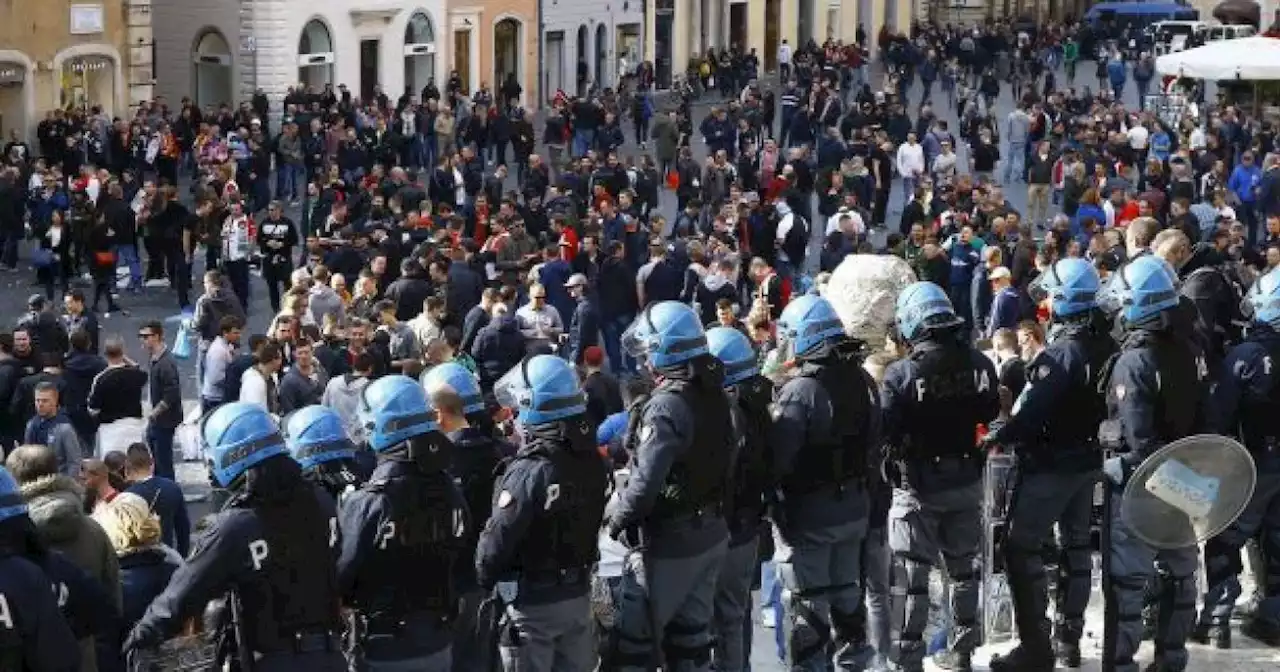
{"points": [[238, 275], [276, 274]]}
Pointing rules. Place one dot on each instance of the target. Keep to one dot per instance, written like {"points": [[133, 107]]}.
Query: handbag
{"points": [[43, 257], [104, 258]]}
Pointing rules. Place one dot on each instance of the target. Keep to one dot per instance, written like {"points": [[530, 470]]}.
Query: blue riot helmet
{"points": [[1071, 286], [732, 348], [461, 380], [541, 389], [395, 409], [807, 322], [1262, 303], [11, 503], [1141, 289], [922, 307], [238, 436], [315, 435], [667, 333]]}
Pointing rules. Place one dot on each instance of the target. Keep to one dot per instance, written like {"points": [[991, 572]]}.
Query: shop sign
{"points": [[12, 73], [88, 64]]}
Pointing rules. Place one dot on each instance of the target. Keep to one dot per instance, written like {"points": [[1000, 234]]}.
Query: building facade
{"points": [[683, 29], [494, 39], [85, 55], [221, 51], [589, 41]]}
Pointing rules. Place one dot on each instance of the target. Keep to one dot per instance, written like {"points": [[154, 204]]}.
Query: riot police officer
{"points": [[318, 441], [751, 394], [1054, 426], [268, 548], [467, 386], [933, 401], [824, 419], [1246, 401], [455, 394], [1155, 394], [402, 536], [671, 511], [541, 540], [33, 634]]}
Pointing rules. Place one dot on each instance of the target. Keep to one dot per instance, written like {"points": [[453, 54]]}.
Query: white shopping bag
{"points": [[187, 442], [119, 435]]}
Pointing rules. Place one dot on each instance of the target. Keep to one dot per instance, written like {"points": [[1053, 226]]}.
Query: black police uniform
{"points": [[824, 419], [674, 498], [1054, 427], [543, 537], [287, 597], [752, 479], [33, 633], [1245, 401], [1155, 394], [402, 536], [475, 458], [933, 401]]}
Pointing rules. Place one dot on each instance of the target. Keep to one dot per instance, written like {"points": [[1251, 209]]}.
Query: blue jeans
{"points": [[160, 442], [128, 255], [771, 600], [290, 179], [612, 330], [583, 142], [1016, 164]]}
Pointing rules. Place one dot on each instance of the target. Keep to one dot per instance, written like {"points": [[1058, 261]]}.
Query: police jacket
{"points": [[476, 456], [681, 456], [1215, 290], [825, 417], [547, 508], [275, 562], [402, 533], [934, 399], [1245, 399], [1157, 388], [1056, 416], [33, 634], [753, 470]]}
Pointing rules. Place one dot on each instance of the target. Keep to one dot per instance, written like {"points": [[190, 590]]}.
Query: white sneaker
{"points": [[768, 619]]}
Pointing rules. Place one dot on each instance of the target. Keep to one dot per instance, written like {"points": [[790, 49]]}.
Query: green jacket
{"points": [[1070, 52]]}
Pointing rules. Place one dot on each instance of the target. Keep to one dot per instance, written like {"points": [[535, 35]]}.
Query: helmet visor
{"points": [[635, 340], [1112, 297], [1042, 287], [512, 389]]}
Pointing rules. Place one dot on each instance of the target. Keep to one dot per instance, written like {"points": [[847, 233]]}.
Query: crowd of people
{"points": [[430, 322]]}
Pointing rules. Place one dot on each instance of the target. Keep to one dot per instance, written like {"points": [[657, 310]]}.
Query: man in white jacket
{"points": [[910, 166]]}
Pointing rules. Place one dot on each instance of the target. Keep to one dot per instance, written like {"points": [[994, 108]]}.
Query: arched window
{"points": [[419, 52], [315, 55]]}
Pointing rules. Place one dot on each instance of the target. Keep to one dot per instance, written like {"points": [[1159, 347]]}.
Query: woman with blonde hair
{"points": [[146, 564]]}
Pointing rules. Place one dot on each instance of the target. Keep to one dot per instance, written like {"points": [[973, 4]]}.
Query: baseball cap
{"points": [[576, 280], [1000, 273]]}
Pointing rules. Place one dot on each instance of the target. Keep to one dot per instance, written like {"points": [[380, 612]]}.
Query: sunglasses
{"points": [[144, 335]]}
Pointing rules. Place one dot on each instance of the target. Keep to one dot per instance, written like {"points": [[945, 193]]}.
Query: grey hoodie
{"points": [[342, 394], [324, 301]]}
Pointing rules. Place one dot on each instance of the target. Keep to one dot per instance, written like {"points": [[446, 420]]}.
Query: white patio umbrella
{"points": [[1249, 59]]}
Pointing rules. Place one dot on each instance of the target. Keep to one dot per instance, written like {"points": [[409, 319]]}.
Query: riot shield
{"points": [[997, 603], [1188, 491]]}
